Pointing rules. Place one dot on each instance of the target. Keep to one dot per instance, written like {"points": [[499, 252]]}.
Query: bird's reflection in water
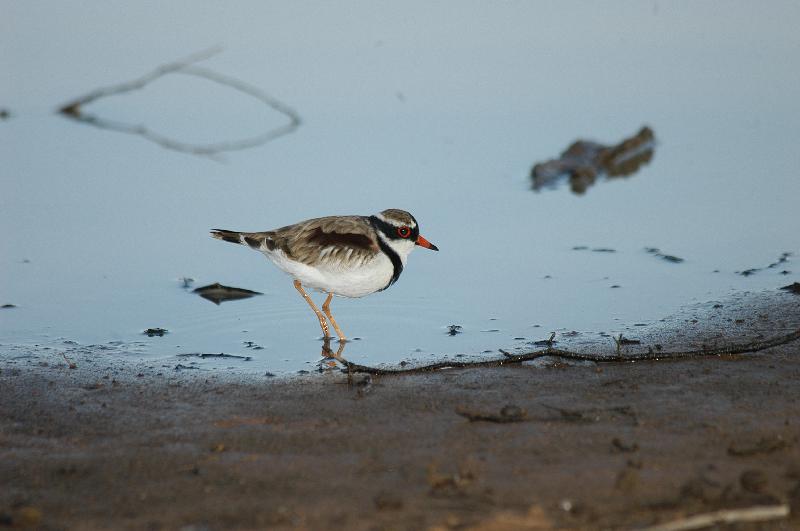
{"points": [[332, 361]]}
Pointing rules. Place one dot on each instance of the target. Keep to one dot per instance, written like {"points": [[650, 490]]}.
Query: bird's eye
{"points": [[403, 232]]}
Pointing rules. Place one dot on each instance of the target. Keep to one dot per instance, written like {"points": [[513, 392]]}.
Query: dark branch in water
{"points": [[508, 358], [75, 111]]}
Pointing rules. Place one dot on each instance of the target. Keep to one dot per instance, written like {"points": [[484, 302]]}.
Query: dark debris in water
{"points": [[252, 345], [180, 367], [584, 161], [625, 341], [220, 355], [454, 329], [546, 342], [655, 251], [155, 332], [792, 288], [217, 293], [5, 114], [8, 306], [782, 259], [594, 249]]}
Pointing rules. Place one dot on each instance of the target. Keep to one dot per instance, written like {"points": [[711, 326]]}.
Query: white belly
{"points": [[357, 281]]}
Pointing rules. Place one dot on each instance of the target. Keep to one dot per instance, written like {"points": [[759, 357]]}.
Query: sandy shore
{"points": [[111, 444]]}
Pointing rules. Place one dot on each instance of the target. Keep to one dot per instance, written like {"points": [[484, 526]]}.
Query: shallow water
{"points": [[440, 110]]}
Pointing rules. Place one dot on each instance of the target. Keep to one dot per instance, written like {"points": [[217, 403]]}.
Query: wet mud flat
{"points": [[113, 444]]}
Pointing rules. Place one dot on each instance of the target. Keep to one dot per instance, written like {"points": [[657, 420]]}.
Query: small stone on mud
{"points": [[620, 446], [754, 481], [387, 501]]}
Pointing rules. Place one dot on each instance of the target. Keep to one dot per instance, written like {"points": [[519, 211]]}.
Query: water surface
{"points": [[438, 109]]}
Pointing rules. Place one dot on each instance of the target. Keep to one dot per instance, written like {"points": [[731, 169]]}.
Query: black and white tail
{"points": [[227, 236], [255, 240]]}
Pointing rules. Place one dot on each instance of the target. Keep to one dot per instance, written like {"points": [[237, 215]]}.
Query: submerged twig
{"points": [[650, 355], [70, 364], [75, 111]]}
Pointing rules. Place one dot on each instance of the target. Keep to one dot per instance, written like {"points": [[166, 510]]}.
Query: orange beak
{"points": [[422, 242]]}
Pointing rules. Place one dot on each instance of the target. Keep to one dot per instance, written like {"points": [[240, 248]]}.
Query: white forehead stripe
{"points": [[395, 222]]}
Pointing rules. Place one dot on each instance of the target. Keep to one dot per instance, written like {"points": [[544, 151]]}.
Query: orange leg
{"points": [[299, 287], [326, 307]]}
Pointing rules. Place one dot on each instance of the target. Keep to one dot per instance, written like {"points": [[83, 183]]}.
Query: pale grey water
{"points": [[439, 109]]}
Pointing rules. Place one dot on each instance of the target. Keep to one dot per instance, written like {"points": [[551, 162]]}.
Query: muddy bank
{"points": [[613, 445]]}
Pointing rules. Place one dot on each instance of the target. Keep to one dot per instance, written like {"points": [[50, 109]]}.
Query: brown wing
{"points": [[332, 239]]}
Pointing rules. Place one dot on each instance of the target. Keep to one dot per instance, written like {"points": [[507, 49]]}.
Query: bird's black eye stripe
{"points": [[391, 231]]}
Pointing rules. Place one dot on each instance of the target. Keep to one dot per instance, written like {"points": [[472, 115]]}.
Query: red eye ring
{"points": [[403, 232]]}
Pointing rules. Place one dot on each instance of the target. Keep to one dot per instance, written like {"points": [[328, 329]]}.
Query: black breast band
{"points": [[397, 264]]}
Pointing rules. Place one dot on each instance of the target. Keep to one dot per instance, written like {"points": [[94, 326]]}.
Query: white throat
{"points": [[402, 247]]}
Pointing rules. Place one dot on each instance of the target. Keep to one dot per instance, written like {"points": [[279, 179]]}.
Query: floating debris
{"points": [[5, 114], [792, 288], [584, 161], [655, 251], [220, 355], [454, 329], [187, 281], [603, 250], [153, 332], [547, 342], [8, 306], [782, 259], [217, 293], [252, 345]]}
